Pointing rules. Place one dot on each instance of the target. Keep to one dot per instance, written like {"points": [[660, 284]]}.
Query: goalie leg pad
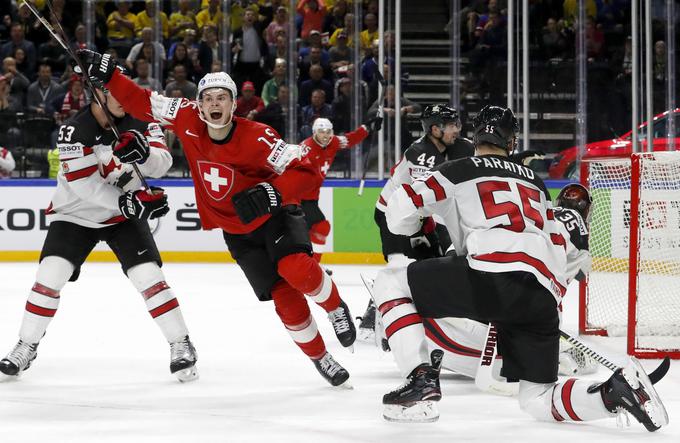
{"points": [[403, 325]]}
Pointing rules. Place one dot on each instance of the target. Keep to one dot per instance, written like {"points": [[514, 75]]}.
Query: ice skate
{"points": [[630, 389], [415, 401], [331, 370], [19, 359], [183, 360], [343, 326]]}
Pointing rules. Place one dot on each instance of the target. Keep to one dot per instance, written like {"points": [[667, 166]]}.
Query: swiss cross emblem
{"points": [[217, 179]]}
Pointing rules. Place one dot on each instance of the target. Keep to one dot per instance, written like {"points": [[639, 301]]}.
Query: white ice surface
{"points": [[102, 373]]}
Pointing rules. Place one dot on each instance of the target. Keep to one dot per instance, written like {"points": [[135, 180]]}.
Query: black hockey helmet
{"points": [[575, 196], [497, 126], [438, 114]]}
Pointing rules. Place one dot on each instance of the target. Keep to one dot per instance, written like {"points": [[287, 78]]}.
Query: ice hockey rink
{"points": [[102, 373]]}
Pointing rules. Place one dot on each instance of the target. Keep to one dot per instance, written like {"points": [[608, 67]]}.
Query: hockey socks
{"points": [[304, 274], [294, 313], [160, 300], [43, 300]]}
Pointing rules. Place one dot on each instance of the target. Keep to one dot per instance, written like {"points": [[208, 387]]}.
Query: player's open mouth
{"points": [[215, 115]]}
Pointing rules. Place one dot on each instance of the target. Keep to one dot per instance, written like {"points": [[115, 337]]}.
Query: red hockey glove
{"points": [[132, 147]]}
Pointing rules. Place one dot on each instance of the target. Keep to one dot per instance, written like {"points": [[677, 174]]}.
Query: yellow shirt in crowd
{"points": [[177, 18], [144, 21], [204, 18], [123, 32]]}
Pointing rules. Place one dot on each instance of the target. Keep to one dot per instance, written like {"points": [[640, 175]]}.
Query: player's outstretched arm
{"points": [[141, 103], [160, 159]]}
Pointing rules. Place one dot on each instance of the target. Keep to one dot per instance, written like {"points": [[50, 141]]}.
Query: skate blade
{"points": [[187, 375], [419, 412], [344, 386], [654, 408]]}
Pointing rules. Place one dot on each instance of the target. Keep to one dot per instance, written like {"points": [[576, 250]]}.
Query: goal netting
{"points": [[634, 286]]}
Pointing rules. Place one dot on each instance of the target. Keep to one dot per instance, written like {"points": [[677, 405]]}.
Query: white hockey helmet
{"points": [[220, 80], [322, 131], [321, 123], [216, 80]]}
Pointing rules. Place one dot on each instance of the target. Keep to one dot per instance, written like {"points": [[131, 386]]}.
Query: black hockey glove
{"points": [[255, 202], [98, 67], [132, 147], [373, 124], [142, 205]]}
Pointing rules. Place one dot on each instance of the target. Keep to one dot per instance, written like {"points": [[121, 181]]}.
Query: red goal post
{"points": [[633, 289]]}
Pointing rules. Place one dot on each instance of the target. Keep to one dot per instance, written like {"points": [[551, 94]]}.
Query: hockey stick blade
{"points": [[660, 372]]}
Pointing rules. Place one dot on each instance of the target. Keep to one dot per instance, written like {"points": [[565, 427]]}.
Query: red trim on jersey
{"points": [[49, 209], [555, 413], [439, 193], [114, 220], [551, 214], [81, 173], [155, 289], [39, 310], [403, 322], [158, 145], [558, 240], [566, 399], [436, 334], [388, 305], [382, 200], [416, 198], [512, 257], [44, 290], [165, 307]]}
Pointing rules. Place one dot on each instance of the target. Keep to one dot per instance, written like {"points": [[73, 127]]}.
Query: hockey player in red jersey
{"points": [[321, 149], [510, 269], [248, 183], [98, 198]]}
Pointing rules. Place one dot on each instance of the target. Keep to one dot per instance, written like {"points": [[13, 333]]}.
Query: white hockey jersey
{"points": [[497, 213], [7, 163], [418, 160], [91, 179], [575, 232]]}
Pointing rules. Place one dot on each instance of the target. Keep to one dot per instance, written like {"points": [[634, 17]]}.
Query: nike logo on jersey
{"points": [[97, 138], [141, 252], [187, 132], [278, 239]]}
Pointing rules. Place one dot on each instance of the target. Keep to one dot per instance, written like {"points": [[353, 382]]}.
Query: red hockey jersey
{"points": [[219, 170], [322, 158]]}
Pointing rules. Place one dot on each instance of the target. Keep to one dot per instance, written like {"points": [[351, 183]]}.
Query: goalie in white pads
{"points": [[98, 198], [510, 271]]}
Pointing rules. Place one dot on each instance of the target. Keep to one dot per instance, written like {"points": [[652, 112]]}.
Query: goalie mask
{"points": [[497, 126], [576, 197], [215, 107], [322, 131]]}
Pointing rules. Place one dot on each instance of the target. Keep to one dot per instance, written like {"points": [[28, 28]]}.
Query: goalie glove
{"points": [[142, 205], [132, 147], [261, 199]]}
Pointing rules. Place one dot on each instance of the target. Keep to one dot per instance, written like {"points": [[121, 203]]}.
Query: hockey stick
{"points": [[60, 37], [381, 97], [654, 376]]}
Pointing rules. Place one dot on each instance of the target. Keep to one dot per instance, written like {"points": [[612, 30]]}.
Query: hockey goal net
{"points": [[633, 289]]}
